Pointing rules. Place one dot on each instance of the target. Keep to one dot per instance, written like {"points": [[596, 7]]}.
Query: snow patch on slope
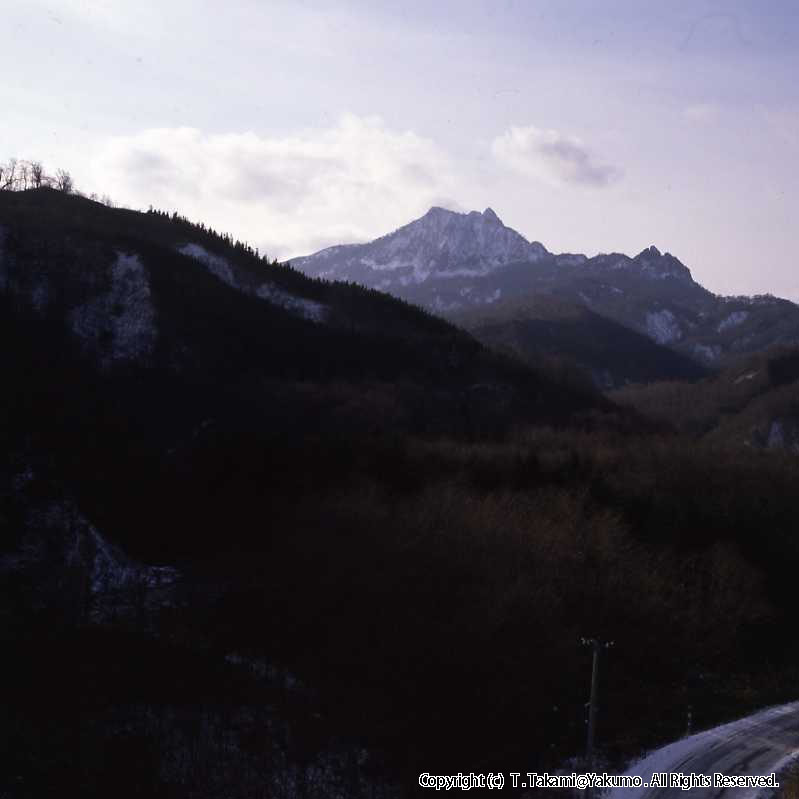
{"points": [[220, 267], [783, 434], [112, 570], [776, 436], [119, 323], [491, 298], [707, 352], [74, 566], [663, 327], [308, 309], [734, 319], [216, 264]]}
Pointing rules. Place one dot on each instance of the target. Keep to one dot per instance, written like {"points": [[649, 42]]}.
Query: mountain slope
{"points": [[330, 589], [448, 263], [544, 330], [148, 292], [173, 400], [441, 245], [754, 403], [144, 334]]}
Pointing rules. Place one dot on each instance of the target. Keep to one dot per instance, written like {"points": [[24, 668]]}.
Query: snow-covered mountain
{"points": [[440, 245], [453, 264], [455, 248]]}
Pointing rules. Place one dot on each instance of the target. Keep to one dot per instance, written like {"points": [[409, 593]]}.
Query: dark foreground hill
{"points": [[146, 348], [268, 536], [137, 295]]}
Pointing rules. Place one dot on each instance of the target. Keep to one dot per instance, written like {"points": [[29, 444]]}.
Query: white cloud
{"points": [[290, 194], [115, 17], [551, 156], [701, 112]]}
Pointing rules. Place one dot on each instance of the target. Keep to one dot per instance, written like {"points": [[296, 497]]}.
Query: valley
{"points": [[260, 528]]}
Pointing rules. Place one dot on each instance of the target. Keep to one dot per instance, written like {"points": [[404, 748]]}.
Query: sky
{"points": [[588, 125]]}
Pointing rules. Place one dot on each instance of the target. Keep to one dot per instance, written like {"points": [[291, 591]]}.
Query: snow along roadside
{"points": [[676, 757]]}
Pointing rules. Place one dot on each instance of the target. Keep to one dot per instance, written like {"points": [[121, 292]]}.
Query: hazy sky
{"points": [[591, 126]]}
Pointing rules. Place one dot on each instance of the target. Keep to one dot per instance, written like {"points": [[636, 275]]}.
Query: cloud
{"points": [[117, 17], [701, 112], [288, 194], [551, 156]]}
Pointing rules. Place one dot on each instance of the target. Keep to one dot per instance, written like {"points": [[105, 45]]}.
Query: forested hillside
{"points": [[267, 534], [548, 332], [754, 403]]}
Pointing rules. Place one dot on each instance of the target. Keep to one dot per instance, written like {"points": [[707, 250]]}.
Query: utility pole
{"points": [[597, 646]]}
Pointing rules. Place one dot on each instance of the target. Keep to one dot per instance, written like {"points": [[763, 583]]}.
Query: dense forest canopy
{"points": [[389, 540]]}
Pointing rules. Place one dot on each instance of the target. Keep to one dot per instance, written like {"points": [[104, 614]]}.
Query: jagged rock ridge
{"points": [[454, 263]]}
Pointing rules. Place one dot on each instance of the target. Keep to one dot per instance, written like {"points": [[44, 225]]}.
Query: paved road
{"points": [[756, 745]]}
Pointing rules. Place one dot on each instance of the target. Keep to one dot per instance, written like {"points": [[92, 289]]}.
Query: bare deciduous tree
{"points": [[64, 182], [23, 175], [37, 175], [9, 175]]}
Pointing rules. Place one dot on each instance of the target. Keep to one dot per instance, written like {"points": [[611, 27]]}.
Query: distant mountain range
{"points": [[454, 263]]}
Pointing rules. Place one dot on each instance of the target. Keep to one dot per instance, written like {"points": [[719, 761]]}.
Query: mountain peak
{"points": [[489, 215], [436, 210], [649, 252], [654, 263], [441, 244]]}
